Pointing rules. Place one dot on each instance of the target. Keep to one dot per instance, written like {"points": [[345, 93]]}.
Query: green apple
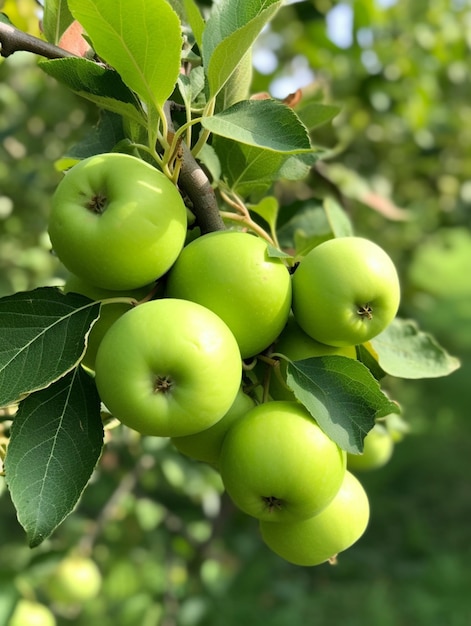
{"points": [[231, 273], [168, 368], [378, 448], [278, 465], [76, 579], [30, 613], [320, 538], [206, 445], [295, 344], [109, 313], [345, 291], [117, 222]]}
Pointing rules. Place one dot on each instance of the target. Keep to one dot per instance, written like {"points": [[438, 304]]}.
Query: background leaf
{"points": [[140, 39], [315, 114], [56, 19], [251, 171], [339, 221], [96, 83], [42, 336], [56, 441], [405, 351], [342, 396], [230, 32], [268, 124]]}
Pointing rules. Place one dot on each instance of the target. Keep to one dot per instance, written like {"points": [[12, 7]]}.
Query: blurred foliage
{"points": [[172, 550]]}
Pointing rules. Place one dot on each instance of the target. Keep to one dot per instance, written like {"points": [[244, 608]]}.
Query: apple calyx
{"points": [[272, 503], [163, 384], [365, 311], [97, 203]]}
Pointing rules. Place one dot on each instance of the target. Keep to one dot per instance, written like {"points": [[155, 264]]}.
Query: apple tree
{"points": [[199, 306]]}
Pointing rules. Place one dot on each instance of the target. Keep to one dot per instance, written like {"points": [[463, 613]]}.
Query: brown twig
{"points": [[14, 40], [194, 182]]}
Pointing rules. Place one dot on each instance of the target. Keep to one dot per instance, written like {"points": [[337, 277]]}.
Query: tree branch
{"points": [[14, 40], [194, 182]]}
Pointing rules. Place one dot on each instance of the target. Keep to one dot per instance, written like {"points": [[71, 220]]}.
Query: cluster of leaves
{"points": [[158, 101]]}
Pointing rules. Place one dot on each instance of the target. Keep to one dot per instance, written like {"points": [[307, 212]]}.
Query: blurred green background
{"points": [[172, 550]]}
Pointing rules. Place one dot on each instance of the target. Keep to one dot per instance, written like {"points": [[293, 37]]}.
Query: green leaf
{"points": [[102, 138], [248, 171], [366, 357], [267, 208], [56, 441], [4, 19], [405, 351], [339, 221], [195, 20], [314, 115], [306, 228], [96, 83], [42, 336], [237, 87], [140, 39], [342, 396], [230, 32], [56, 19], [191, 86], [268, 124]]}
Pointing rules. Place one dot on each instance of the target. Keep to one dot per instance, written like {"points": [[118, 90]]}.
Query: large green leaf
{"points": [[230, 32], [342, 395], [140, 39], [96, 83], [56, 441], [405, 351], [42, 336], [267, 124]]}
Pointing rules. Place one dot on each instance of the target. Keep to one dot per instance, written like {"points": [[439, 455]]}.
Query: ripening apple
{"points": [[168, 368], [295, 344], [231, 273], [345, 291], [109, 313], [31, 613], [320, 538], [206, 445], [378, 448], [76, 579], [278, 465], [117, 222]]}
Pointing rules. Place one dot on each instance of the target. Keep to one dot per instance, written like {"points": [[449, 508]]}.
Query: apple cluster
{"points": [[174, 365]]}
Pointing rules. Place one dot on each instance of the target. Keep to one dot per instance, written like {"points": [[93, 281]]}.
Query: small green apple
{"points": [[320, 538], [117, 222], [109, 313], [76, 579], [168, 368], [30, 613], [295, 344], [378, 448], [231, 273], [345, 291], [277, 464], [206, 445]]}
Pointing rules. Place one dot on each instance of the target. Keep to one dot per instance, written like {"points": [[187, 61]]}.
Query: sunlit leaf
{"points": [[140, 39], [405, 351]]}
